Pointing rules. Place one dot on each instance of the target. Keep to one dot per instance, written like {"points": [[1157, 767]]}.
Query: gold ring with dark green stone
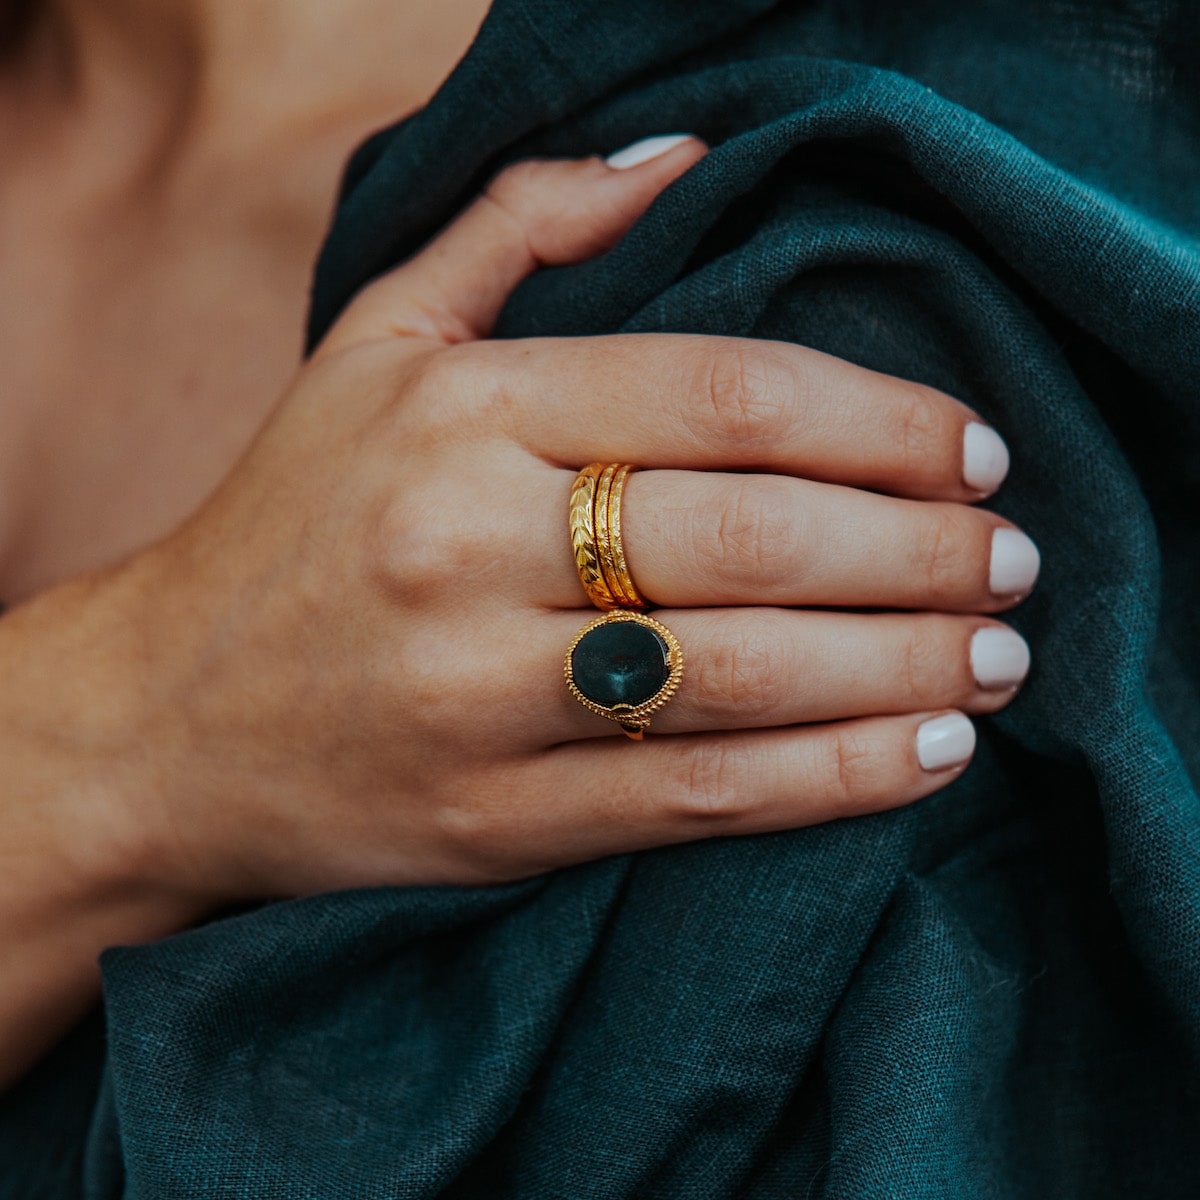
{"points": [[624, 666]]}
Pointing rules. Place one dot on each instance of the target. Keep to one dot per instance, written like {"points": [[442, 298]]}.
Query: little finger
{"points": [[584, 800]]}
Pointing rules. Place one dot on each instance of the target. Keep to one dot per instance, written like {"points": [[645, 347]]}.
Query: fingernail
{"points": [[645, 150], [985, 457], [945, 742], [999, 657], [1015, 563]]}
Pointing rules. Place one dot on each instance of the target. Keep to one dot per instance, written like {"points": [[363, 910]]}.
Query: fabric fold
{"points": [[993, 993]]}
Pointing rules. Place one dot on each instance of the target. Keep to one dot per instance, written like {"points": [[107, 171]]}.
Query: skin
{"points": [[120, 121], [341, 666]]}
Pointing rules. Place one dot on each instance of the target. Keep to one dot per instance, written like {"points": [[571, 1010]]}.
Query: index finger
{"points": [[725, 403]]}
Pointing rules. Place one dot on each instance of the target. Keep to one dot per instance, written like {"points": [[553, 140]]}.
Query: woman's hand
{"points": [[359, 640], [347, 667]]}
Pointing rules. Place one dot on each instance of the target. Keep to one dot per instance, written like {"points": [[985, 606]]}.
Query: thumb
{"points": [[534, 213]]}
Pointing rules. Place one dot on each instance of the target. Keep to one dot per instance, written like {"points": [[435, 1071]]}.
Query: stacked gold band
{"points": [[595, 521], [623, 665]]}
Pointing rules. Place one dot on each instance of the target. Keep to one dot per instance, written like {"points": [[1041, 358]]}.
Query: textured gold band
{"points": [[595, 524], [619, 580], [583, 538]]}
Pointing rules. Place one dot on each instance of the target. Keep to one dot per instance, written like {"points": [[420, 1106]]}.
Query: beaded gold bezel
{"points": [[634, 719]]}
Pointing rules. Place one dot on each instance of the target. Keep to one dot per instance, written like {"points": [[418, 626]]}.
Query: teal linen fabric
{"points": [[994, 993]]}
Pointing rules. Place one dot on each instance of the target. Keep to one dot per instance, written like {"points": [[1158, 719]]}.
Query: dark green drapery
{"points": [[994, 993]]}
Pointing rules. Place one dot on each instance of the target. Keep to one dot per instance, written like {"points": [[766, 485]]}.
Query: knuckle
{"points": [[445, 383], [517, 181], [927, 674], [475, 832], [436, 687], [709, 785], [921, 436], [741, 388], [737, 677], [471, 834], [424, 541], [858, 769], [943, 546], [748, 535], [543, 207], [476, 390]]}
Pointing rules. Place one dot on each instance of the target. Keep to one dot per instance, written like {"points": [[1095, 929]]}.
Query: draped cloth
{"points": [[992, 993]]}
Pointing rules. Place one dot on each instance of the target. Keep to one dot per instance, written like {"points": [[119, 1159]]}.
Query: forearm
{"points": [[77, 824]]}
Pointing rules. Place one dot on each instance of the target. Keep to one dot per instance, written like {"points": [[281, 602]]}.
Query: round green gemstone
{"points": [[620, 662]]}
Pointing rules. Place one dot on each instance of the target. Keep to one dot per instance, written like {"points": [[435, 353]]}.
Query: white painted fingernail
{"points": [[985, 457], [1015, 563], [999, 657], [945, 742], [645, 150]]}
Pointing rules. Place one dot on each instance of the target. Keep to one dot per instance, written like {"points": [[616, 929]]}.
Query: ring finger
{"points": [[758, 667]]}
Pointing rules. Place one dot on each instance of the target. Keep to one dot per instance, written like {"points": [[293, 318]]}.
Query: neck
{"points": [[238, 68]]}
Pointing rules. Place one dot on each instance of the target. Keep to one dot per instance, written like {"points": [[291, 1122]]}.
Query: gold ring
{"points": [[624, 666], [595, 524], [618, 578], [583, 537]]}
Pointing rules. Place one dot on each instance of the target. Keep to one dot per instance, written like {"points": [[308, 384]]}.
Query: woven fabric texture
{"points": [[994, 993]]}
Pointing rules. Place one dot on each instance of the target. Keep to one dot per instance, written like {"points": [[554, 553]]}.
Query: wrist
{"points": [[82, 800]]}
